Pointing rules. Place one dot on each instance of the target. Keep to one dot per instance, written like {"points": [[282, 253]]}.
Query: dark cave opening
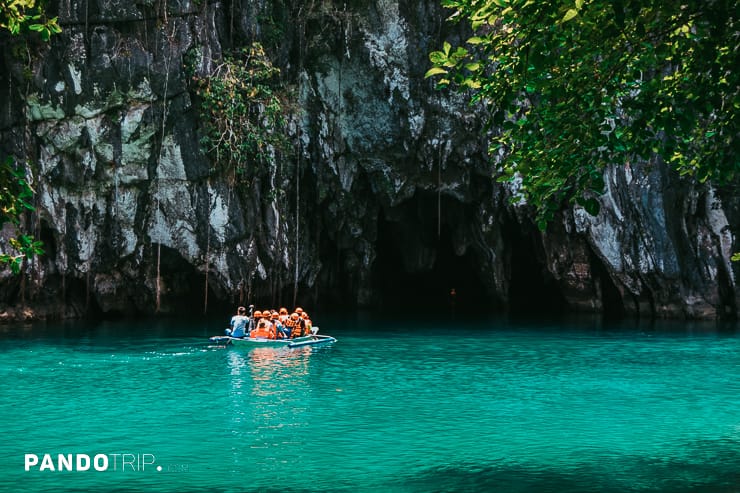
{"points": [[452, 287], [533, 292], [612, 306], [184, 291]]}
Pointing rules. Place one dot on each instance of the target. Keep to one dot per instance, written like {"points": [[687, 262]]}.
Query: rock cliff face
{"points": [[387, 196]]}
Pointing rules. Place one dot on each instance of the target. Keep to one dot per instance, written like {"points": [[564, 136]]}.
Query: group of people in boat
{"points": [[270, 324]]}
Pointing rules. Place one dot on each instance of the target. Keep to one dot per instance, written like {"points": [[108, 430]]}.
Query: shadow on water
{"points": [[635, 474], [112, 330], [387, 323], [379, 322], [717, 474], [599, 323]]}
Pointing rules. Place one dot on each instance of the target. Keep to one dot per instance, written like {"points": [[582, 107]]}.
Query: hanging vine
{"points": [[207, 266], [168, 61]]}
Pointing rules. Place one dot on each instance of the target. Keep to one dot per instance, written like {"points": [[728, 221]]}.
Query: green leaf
{"points": [[15, 265], [471, 83], [571, 13], [435, 71], [437, 57]]}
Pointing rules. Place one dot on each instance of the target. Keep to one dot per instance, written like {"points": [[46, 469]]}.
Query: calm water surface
{"points": [[486, 407]]}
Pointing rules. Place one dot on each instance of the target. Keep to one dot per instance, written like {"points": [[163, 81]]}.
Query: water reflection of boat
{"points": [[313, 339], [269, 362]]}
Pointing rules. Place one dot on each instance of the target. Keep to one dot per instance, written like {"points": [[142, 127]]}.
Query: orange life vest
{"points": [[264, 329], [298, 330], [290, 325]]}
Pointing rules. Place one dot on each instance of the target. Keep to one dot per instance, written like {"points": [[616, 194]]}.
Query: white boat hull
{"points": [[253, 342]]}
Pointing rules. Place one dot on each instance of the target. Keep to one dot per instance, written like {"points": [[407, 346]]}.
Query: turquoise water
{"points": [[487, 407]]}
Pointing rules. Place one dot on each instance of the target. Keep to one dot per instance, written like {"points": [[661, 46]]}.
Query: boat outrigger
{"points": [[253, 342]]}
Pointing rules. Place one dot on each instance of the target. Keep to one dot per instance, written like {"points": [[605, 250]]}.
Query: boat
{"points": [[312, 339]]}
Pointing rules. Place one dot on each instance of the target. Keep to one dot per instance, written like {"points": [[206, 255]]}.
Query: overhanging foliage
{"points": [[573, 86], [19, 15]]}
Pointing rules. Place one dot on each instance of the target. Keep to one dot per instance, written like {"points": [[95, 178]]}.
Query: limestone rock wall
{"points": [[135, 221]]}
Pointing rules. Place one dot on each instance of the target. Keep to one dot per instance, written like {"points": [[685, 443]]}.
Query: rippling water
{"points": [[512, 408]]}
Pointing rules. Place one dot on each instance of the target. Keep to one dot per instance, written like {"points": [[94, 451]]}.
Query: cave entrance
{"points": [[422, 291], [612, 306], [533, 292]]}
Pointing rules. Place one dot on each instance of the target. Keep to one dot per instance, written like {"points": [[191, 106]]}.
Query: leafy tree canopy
{"points": [[575, 85], [18, 15]]}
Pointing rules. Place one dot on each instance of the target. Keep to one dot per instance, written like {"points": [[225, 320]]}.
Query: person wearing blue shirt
{"points": [[238, 323]]}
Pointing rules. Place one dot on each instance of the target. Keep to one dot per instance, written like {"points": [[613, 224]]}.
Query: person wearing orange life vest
{"points": [[284, 315], [289, 325], [307, 322], [264, 327], [280, 332], [257, 319], [269, 324], [299, 311], [283, 318], [298, 326]]}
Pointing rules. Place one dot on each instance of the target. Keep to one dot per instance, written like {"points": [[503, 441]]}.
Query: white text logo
{"points": [[96, 462]]}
